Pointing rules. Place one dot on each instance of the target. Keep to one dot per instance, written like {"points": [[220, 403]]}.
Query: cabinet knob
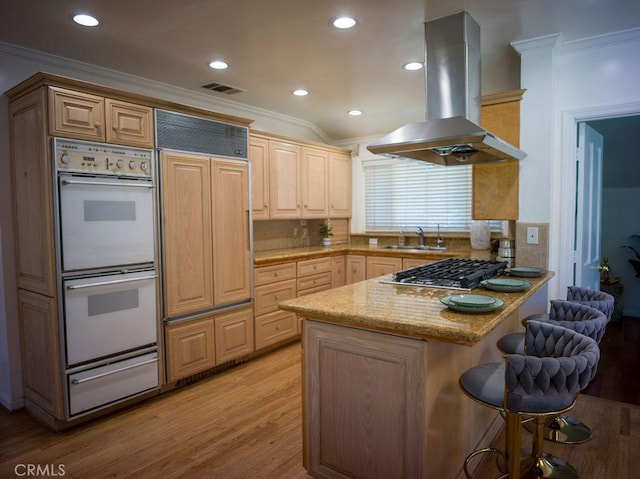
{"points": [[276, 297]]}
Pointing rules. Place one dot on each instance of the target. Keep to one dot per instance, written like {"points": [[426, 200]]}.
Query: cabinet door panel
{"points": [[233, 334], [356, 269], [315, 179], [284, 187], [129, 124], [190, 348], [338, 273], [275, 327], [379, 266], [259, 157], [186, 206], [339, 185], [231, 249], [76, 115]]}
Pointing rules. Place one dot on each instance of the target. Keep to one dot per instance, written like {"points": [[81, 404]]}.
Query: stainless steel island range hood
{"points": [[451, 134]]}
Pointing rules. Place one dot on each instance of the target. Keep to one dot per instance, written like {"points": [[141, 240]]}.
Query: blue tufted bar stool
{"points": [[583, 318], [558, 363]]}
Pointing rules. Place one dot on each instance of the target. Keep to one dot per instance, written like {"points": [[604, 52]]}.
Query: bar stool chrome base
{"points": [[546, 467], [564, 429]]}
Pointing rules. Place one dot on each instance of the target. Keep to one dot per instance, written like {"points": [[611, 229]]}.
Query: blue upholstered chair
{"points": [[580, 316], [558, 363]]}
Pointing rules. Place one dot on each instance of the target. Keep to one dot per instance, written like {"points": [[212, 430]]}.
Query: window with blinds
{"points": [[406, 194]]}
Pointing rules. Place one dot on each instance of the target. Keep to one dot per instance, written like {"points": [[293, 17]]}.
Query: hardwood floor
{"points": [[245, 423]]}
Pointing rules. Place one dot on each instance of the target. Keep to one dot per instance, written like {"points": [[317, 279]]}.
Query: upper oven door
{"points": [[105, 222]]}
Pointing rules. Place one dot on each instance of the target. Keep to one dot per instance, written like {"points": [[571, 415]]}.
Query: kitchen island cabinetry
{"points": [[381, 364]]}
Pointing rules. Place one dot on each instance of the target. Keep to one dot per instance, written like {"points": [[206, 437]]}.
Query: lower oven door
{"points": [[110, 314], [105, 222], [100, 386]]}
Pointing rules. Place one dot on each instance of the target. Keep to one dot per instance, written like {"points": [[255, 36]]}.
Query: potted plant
{"points": [[634, 262], [326, 233]]}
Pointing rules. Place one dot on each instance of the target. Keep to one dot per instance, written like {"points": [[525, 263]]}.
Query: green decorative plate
{"points": [[505, 285], [497, 303], [526, 272]]}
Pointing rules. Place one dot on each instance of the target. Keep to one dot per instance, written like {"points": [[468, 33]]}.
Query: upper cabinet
{"points": [[85, 116], [295, 180], [495, 185]]}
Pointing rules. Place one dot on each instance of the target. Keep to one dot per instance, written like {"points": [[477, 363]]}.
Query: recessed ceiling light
{"points": [[413, 66], [355, 112], [85, 20], [218, 65], [343, 22], [300, 92]]}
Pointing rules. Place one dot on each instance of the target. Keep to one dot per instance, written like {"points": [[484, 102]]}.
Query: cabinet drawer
{"points": [[116, 381], [278, 272], [267, 297], [315, 281], [275, 327], [313, 266]]}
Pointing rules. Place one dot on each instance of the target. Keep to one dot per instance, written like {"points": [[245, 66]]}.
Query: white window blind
{"points": [[405, 195]]}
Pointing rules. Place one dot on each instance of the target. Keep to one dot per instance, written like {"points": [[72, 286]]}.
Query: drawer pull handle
{"points": [[101, 375]]}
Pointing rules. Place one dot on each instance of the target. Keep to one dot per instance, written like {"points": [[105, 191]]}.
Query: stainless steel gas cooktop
{"points": [[451, 273]]}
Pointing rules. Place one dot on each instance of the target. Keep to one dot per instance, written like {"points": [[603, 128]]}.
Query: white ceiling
{"points": [[276, 46]]}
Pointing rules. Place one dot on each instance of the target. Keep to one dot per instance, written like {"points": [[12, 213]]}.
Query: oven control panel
{"points": [[99, 158]]}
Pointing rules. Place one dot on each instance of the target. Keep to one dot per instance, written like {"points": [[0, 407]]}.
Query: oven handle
{"points": [[105, 283], [104, 183], [119, 370]]}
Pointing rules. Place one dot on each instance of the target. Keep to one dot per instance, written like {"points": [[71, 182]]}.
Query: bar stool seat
{"points": [[583, 318], [559, 363]]}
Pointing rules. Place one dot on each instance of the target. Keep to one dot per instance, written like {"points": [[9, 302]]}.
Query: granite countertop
{"points": [[408, 310], [264, 258]]}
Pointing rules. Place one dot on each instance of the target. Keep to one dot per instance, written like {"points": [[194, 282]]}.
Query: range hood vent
{"points": [[451, 135]]}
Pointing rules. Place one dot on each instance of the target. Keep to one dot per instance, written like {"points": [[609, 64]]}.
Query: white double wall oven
{"points": [[107, 262]]}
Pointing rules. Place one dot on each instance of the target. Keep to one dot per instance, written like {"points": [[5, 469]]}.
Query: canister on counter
{"points": [[507, 252]]}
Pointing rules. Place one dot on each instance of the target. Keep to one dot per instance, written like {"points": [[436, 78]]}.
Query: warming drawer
{"points": [[100, 386]]}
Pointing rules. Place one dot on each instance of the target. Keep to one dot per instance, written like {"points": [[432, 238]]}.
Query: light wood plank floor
{"points": [[245, 423]]}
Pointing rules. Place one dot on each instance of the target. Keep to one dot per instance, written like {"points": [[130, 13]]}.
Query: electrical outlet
{"points": [[532, 235]]}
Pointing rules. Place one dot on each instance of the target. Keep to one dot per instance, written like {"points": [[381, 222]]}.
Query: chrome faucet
{"points": [[420, 237], [439, 239]]}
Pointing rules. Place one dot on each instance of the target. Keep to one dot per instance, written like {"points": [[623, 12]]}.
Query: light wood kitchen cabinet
{"points": [[187, 233], [207, 258], [231, 248], [313, 275], [33, 194], [259, 158], [356, 268], [339, 185], [84, 116], [413, 262], [285, 195], [380, 266], [338, 271], [190, 347], [274, 284], [495, 185], [315, 183], [295, 180], [234, 334], [40, 352]]}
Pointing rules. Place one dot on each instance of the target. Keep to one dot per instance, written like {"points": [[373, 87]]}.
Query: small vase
{"points": [[326, 242], [480, 235]]}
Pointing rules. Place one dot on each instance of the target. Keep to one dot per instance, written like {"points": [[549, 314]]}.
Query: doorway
{"points": [[620, 195]]}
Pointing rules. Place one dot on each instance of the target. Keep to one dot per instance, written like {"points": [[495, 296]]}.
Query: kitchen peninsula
{"points": [[380, 378]]}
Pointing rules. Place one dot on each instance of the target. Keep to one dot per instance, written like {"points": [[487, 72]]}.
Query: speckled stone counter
{"points": [[408, 310]]}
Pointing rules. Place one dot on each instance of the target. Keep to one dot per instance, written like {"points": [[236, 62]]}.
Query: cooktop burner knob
{"points": [[132, 165]]}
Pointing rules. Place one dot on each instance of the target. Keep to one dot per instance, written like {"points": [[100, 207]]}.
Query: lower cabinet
{"points": [[338, 271], [199, 344], [356, 268], [276, 327], [380, 266]]}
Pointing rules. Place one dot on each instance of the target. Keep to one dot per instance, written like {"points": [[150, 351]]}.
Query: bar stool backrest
{"points": [[596, 299], [559, 363], [579, 317]]}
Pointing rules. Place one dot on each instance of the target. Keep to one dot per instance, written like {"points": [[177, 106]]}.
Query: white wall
{"points": [[567, 82], [17, 64]]}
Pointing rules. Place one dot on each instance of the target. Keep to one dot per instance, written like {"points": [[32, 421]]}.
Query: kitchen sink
{"points": [[416, 247]]}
